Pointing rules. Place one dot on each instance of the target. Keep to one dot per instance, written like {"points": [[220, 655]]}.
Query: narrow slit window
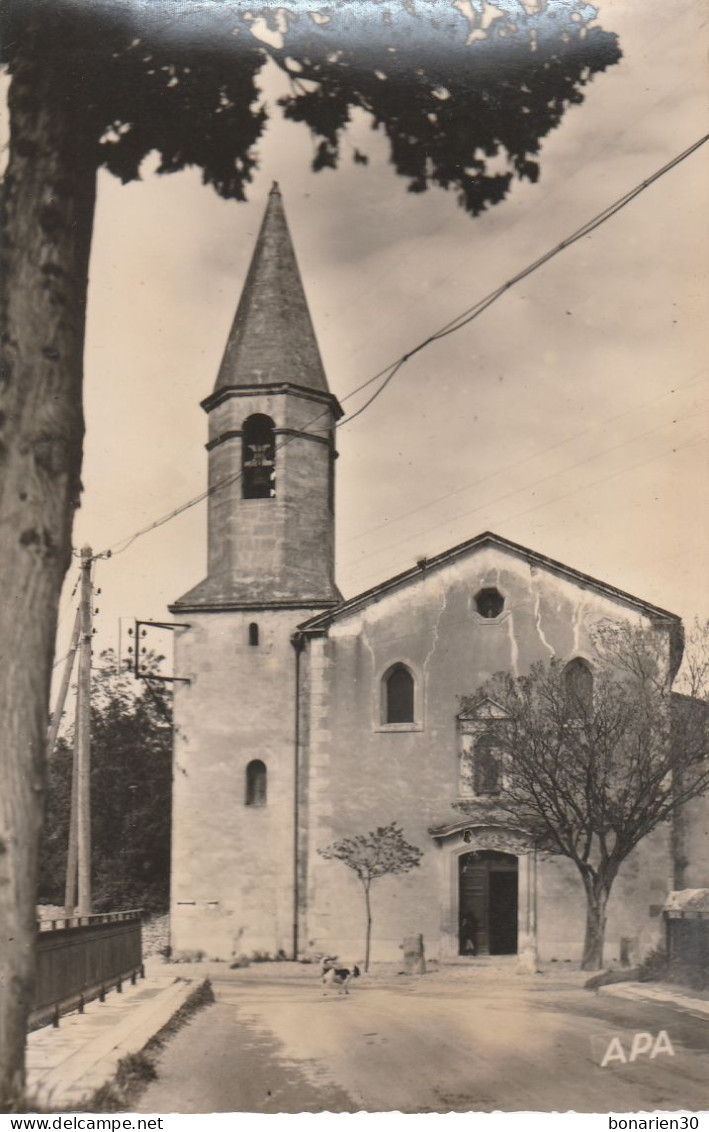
{"points": [[253, 633], [258, 461], [256, 783], [399, 695]]}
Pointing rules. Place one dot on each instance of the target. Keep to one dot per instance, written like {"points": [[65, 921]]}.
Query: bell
{"points": [[261, 477]]}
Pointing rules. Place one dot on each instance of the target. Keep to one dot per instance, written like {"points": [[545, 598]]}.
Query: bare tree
{"points": [[693, 678], [592, 765], [381, 852]]}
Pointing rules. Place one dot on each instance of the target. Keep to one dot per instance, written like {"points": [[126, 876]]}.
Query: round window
{"points": [[489, 602]]}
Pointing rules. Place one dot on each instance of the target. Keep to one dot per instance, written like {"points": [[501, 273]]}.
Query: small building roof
{"points": [[688, 901]]}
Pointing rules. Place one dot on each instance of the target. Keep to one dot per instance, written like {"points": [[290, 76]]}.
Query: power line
{"points": [[522, 461], [68, 602], [477, 309], [527, 486], [536, 204], [227, 481], [389, 372], [61, 660], [581, 487]]}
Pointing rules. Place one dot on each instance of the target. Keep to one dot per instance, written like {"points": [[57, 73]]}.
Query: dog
{"points": [[334, 976]]}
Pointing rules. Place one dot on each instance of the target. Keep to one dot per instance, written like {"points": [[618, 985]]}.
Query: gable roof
{"points": [[409, 577]]}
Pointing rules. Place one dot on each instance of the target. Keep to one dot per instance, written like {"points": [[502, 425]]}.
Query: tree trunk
{"points": [[47, 213], [596, 902], [368, 934]]}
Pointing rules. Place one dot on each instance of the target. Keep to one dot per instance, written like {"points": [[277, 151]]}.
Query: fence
{"points": [[81, 958], [688, 947], [686, 915]]}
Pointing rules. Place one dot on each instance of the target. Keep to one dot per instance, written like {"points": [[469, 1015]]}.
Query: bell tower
{"points": [[271, 444], [270, 565]]}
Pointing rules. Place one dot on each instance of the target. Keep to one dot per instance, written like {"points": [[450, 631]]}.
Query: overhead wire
{"points": [[525, 459], [527, 486], [474, 311], [67, 603], [539, 201], [390, 371], [584, 487]]}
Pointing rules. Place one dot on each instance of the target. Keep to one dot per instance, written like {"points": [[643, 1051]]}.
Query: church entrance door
{"points": [[487, 904]]}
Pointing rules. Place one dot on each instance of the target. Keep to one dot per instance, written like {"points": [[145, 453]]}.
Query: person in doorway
{"points": [[469, 935]]}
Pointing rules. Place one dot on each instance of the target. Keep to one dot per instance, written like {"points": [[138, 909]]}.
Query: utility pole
{"points": [[71, 855], [82, 738], [70, 886], [61, 698]]}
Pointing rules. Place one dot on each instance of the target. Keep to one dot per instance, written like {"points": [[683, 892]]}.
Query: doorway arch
{"points": [[487, 903]]}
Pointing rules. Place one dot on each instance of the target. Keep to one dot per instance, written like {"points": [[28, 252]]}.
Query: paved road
{"points": [[274, 1043]]}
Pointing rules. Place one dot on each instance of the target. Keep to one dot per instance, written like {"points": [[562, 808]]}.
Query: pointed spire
{"points": [[272, 338]]}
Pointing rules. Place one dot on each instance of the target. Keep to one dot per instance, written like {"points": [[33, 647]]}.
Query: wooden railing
{"points": [[82, 957]]}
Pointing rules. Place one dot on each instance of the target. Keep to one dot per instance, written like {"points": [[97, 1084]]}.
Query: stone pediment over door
{"points": [[472, 835], [475, 718]]}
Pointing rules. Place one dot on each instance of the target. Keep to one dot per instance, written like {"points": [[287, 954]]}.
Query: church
{"points": [[302, 718]]}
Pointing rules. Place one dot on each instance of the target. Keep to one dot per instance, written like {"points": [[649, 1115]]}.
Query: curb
{"points": [[93, 1061], [646, 993]]}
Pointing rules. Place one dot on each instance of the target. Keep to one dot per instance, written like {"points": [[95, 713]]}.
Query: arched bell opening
{"points": [[258, 464]]}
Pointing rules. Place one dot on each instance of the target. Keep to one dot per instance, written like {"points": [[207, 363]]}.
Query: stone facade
{"points": [[285, 739], [232, 864], [414, 773]]}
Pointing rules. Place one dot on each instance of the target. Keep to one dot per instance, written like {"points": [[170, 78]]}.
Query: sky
{"points": [[571, 417]]}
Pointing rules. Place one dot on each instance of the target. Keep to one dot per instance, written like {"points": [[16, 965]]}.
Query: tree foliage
{"points": [[451, 88], [131, 780], [451, 91], [383, 851], [589, 778]]}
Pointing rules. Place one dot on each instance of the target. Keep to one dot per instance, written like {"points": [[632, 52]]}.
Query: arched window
{"points": [[399, 695], [253, 633], [486, 766], [258, 459], [578, 685], [256, 783]]}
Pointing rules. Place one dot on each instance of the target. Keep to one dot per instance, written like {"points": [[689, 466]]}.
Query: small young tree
{"points": [[594, 760], [381, 852]]}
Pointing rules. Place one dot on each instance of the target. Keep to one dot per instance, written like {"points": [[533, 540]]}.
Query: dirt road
{"points": [[274, 1043]]}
